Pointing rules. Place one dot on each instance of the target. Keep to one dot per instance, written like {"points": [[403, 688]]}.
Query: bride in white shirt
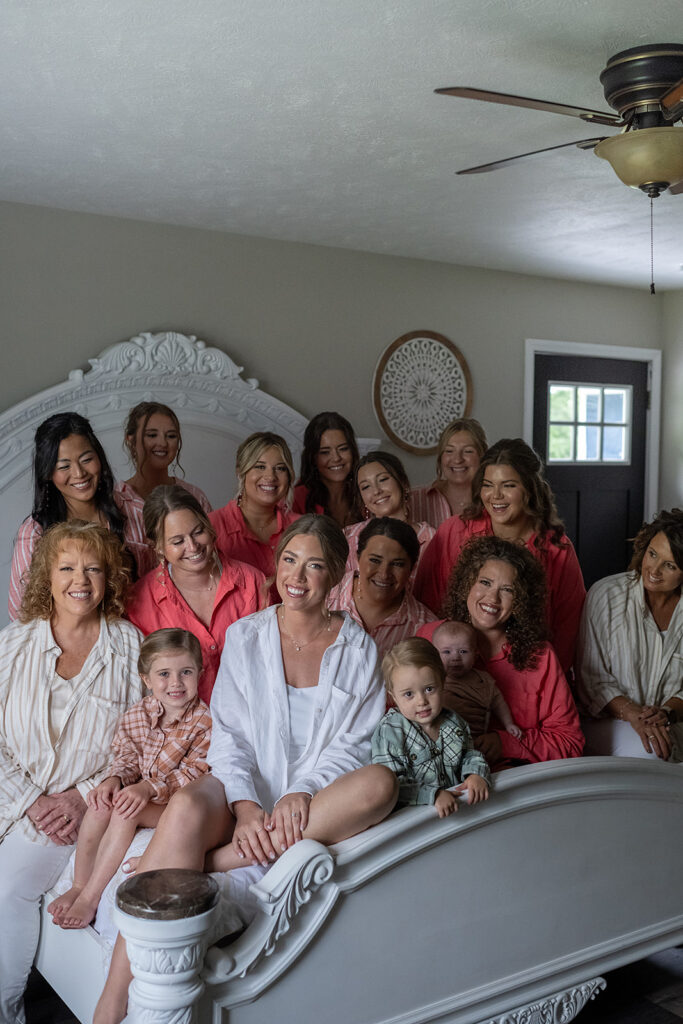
{"points": [[297, 697]]}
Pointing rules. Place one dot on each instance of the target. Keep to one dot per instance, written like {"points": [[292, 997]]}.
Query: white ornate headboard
{"points": [[216, 407]]}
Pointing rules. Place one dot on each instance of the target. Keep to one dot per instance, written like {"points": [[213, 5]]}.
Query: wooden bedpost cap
{"points": [[167, 894]]}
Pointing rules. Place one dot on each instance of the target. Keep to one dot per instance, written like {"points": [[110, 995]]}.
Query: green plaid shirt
{"points": [[424, 766]]}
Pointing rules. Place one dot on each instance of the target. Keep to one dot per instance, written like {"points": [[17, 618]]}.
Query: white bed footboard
{"points": [[568, 871]]}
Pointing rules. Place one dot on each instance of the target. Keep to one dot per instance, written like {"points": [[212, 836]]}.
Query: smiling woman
{"points": [[67, 671], [153, 440], [195, 587], [328, 462], [376, 595], [630, 661], [71, 480], [250, 527]]}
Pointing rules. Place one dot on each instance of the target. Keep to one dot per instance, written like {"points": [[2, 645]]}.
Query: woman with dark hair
{"points": [[328, 461], [377, 595], [630, 650], [67, 674], [513, 501], [153, 442], [499, 587], [195, 586], [72, 479], [297, 698], [383, 490], [460, 449]]}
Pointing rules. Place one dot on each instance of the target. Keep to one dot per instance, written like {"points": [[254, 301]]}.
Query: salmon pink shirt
{"points": [[566, 590], [155, 602], [299, 503], [541, 704], [236, 540]]}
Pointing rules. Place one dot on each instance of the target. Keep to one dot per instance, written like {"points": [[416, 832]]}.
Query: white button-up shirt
{"points": [[31, 764], [250, 740]]}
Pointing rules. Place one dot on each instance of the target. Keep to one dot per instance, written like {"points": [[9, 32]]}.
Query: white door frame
{"points": [[651, 356]]}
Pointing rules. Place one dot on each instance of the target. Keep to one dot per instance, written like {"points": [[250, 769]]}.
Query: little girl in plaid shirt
{"points": [[160, 745]]}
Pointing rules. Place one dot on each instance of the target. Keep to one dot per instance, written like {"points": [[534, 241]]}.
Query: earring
{"points": [[238, 500], [367, 514]]}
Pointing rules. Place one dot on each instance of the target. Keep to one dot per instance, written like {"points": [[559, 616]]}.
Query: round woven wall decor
{"points": [[421, 383]]}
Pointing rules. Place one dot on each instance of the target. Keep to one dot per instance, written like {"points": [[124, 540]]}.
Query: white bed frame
{"points": [[507, 912]]}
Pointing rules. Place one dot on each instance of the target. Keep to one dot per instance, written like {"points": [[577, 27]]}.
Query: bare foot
{"points": [[130, 866], [80, 914], [59, 906]]}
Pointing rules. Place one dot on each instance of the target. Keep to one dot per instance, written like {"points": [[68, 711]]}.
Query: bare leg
{"points": [[352, 803], [93, 827], [111, 851], [195, 820]]}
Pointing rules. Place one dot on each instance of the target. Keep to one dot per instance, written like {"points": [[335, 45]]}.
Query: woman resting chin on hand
{"points": [[297, 697]]}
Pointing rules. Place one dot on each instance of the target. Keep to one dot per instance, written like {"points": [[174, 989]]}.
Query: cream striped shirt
{"points": [[30, 764]]}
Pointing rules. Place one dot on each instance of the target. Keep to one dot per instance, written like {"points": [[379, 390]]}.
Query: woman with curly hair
{"points": [[67, 673], [499, 587], [630, 650], [72, 479], [327, 483], [512, 500]]}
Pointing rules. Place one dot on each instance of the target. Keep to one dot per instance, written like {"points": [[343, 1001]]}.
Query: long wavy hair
{"points": [[668, 523], [37, 599], [137, 420], [540, 501], [310, 477], [49, 506], [526, 629]]}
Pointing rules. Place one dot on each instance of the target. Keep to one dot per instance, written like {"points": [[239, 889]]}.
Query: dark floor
{"points": [[649, 992]]}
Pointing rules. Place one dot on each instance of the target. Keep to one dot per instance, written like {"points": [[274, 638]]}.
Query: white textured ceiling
{"points": [[315, 121]]}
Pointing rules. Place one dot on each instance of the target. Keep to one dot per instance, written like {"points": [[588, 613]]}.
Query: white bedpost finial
{"points": [[165, 917]]}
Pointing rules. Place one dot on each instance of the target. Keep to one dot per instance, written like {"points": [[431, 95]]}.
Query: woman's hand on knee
{"points": [[289, 820], [58, 816], [250, 840], [655, 738]]}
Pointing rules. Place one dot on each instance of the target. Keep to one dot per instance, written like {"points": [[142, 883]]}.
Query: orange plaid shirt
{"points": [[167, 758]]}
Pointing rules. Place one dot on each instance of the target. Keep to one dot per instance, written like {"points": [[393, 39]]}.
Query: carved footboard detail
{"points": [[559, 1008]]}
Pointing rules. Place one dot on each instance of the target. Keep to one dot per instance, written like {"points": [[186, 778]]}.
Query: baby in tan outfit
{"points": [[470, 692]]}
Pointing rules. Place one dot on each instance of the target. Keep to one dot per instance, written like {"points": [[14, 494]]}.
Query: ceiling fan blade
{"points": [[581, 144], [592, 116], [672, 102], [676, 190]]}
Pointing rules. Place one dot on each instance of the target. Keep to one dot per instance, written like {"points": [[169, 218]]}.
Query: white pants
{"points": [[614, 736], [27, 870]]}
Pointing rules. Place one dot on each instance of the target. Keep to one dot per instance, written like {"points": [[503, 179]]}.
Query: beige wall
{"points": [[308, 322], [671, 477]]}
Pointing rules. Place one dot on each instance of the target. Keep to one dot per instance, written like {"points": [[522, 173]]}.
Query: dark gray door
{"points": [[598, 478]]}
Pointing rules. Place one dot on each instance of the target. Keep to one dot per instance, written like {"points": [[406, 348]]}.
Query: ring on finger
{"points": [[295, 814]]}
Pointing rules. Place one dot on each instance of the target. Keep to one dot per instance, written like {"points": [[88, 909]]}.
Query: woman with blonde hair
{"points": [[67, 674], [153, 441], [249, 527], [461, 447], [194, 586]]}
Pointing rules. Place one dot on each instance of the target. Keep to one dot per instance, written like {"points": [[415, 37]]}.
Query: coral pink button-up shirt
{"points": [[236, 540], [400, 625], [541, 704], [156, 603], [566, 590]]}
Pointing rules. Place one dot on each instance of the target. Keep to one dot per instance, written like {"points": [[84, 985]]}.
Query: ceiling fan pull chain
{"points": [[652, 250]]}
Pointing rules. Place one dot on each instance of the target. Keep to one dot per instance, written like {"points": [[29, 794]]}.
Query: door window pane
{"points": [[614, 444], [589, 405], [615, 405], [561, 443], [561, 403], [588, 422]]}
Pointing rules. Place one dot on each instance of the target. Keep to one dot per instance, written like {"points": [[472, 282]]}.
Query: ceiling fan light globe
{"points": [[650, 159]]}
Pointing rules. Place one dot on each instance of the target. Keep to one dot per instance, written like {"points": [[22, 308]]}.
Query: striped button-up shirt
{"points": [[167, 758], [30, 763]]}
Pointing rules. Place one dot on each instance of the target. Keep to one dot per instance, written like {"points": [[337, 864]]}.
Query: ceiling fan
{"points": [[644, 85]]}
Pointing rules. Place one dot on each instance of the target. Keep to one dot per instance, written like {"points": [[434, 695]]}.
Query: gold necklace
{"points": [[300, 644]]}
